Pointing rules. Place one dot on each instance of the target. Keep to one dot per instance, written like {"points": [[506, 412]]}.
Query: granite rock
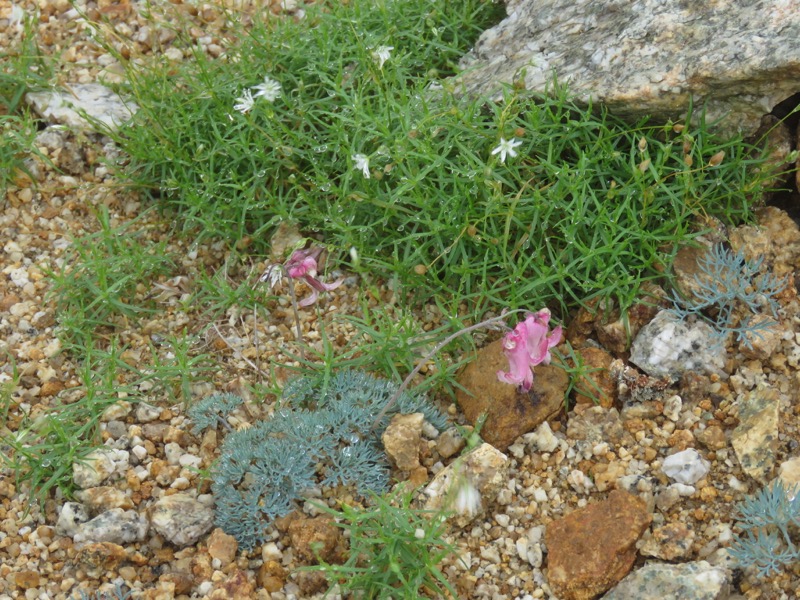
{"points": [[670, 542], [687, 581], [591, 549], [95, 468], [646, 57], [77, 101], [755, 439], [669, 347], [181, 519], [511, 412], [116, 526], [70, 518]]}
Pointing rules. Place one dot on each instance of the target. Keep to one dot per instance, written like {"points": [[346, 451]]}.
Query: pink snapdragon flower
{"points": [[526, 346], [302, 264]]}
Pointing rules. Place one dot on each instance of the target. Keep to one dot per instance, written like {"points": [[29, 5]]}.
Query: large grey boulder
{"points": [[647, 57]]}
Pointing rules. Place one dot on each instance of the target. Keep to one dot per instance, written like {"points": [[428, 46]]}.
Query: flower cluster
{"points": [[526, 346], [302, 264], [269, 89]]}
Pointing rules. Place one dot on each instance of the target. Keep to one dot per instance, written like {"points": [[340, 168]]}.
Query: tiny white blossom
{"points": [[468, 499], [419, 533], [356, 260], [270, 90], [506, 147], [274, 274], [381, 54], [245, 102], [362, 162]]}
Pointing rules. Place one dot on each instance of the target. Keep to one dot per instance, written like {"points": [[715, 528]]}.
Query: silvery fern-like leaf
{"points": [[765, 518], [726, 281], [321, 434], [212, 409]]}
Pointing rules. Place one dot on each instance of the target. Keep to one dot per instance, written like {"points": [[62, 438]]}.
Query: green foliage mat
{"points": [[367, 145]]}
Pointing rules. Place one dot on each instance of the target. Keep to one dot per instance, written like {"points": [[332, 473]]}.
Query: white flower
{"points": [[270, 90], [245, 102], [274, 274], [468, 499], [381, 54], [354, 257], [362, 162], [506, 147]]}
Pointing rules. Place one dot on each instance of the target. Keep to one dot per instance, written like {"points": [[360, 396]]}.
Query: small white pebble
{"points": [[270, 551], [204, 588], [139, 452], [736, 485]]}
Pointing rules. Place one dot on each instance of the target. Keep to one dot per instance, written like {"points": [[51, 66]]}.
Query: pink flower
{"points": [[302, 264], [526, 346]]}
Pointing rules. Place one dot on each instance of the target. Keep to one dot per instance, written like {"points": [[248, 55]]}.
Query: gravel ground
{"points": [[501, 551]]}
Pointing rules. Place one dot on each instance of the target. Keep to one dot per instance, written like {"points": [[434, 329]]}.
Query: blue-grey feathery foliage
{"points": [[765, 519], [726, 282], [212, 410], [320, 436]]}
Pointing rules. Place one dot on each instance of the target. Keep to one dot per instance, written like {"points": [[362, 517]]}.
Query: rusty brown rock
{"points": [[581, 327], [182, 582], [51, 388], [97, 557], [511, 413], [712, 437], [311, 583], [222, 547], [591, 549], [26, 580], [596, 383], [317, 537], [236, 587], [271, 576], [7, 301], [670, 542], [401, 440], [688, 274]]}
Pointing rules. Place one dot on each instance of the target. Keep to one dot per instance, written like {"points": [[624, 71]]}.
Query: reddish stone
{"points": [[222, 546], [271, 576], [591, 549], [97, 557], [26, 579], [510, 412], [236, 587], [317, 537]]}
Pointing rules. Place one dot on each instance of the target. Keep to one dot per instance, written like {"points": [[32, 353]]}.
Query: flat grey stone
{"points": [[96, 100], [647, 56], [687, 581]]}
